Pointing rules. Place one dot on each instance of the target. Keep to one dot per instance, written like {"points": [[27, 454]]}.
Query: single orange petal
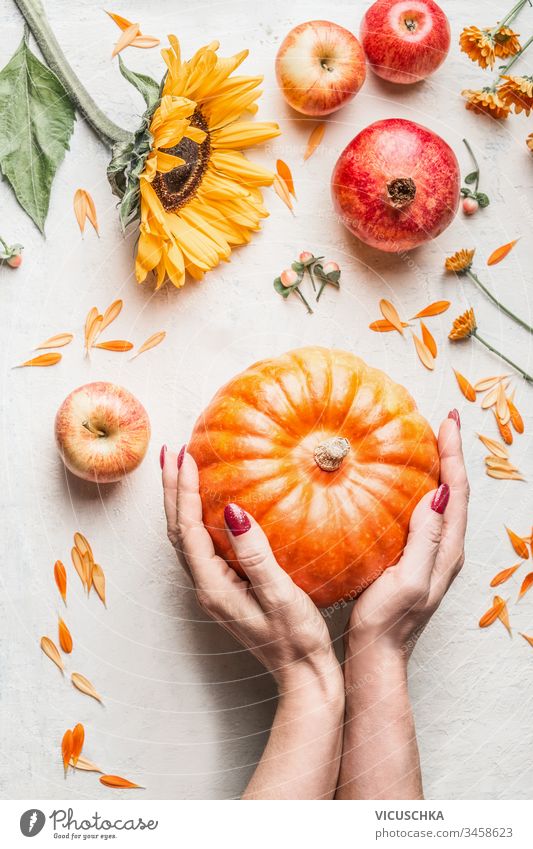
{"points": [[424, 354], [78, 736], [518, 544], [43, 360], [65, 637], [503, 613], [60, 577], [390, 313], [50, 649], [436, 308], [492, 613], [80, 208], [118, 345], [111, 313], [428, 339], [384, 326], [516, 419], [505, 431], [315, 138], [121, 22], [66, 748], [282, 191], [128, 35], [145, 42], [500, 253], [527, 638], [504, 575], [465, 386], [286, 174], [526, 585], [57, 341], [119, 783], [494, 446], [151, 342]]}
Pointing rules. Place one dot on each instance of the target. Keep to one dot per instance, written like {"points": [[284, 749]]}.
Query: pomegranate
{"points": [[396, 185], [405, 40]]}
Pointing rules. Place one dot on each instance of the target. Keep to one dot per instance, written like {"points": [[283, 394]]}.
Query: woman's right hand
{"points": [[267, 612]]}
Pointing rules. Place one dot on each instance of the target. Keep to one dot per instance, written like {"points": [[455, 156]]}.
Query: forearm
{"points": [[302, 757], [380, 753]]}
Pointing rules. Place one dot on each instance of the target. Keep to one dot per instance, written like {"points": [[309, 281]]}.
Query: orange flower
{"points": [[460, 261], [463, 326], [486, 101], [506, 43], [484, 45], [479, 46], [517, 93]]}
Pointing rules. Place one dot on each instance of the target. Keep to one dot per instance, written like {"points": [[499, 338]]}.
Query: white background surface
{"points": [[186, 711]]}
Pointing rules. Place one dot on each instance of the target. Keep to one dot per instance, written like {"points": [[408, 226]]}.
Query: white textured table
{"points": [[186, 711]]}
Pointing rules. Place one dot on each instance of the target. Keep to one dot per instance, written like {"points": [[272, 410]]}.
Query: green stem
{"points": [[516, 56], [309, 310], [34, 14], [311, 275], [4, 245], [509, 362], [471, 152], [510, 16], [497, 303]]}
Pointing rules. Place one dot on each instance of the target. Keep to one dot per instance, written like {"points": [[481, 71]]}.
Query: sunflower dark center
{"points": [[176, 187]]}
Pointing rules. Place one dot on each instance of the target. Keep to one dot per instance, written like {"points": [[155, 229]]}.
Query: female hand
{"points": [[266, 612], [394, 610], [380, 753], [279, 624]]}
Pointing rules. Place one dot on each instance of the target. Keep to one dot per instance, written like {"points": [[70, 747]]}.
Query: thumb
{"points": [[425, 532], [272, 586]]}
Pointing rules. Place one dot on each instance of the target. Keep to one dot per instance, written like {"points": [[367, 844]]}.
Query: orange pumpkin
{"points": [[328, 454]]}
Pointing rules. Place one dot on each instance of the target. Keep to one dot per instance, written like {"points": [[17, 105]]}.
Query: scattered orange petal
{"points": [[84, 686], [286, 174], [66, 748], [526, 584], [118, 345], [91, 315], [489, 382], [504, 575], [503, 613], [77, 562], [128, 35], [42, 360], [121, 22], [428, 340], [50, 649], [85, 764], [65, 637], [527, 638], [98, 580], [515, 417], [150, 343], [384, 326], [492, 613], [502, 407], [518, 544], [433, 309], [82, 543], [424, 354], [465, 386], [111, 313], [94, 330], [500, 253], [505, 475], [505, 430], [78, 736], [282, 191], [118, 782], [60, 577], [390, 313], [80, 208], [315, 138], [145, 42], [58, 341], [495, 447]]}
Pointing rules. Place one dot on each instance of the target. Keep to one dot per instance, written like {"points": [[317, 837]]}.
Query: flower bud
{"points": [[332, 271], [289, 277], [306, 257], [15, 260], [470, 206]]}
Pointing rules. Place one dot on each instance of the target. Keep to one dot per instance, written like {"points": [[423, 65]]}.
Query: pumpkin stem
{"points": [[330, 453], [401, 192]]}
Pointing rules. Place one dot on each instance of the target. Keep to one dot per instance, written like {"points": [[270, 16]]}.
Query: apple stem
{"points": [[93, 430], [410, 24], [325, 65]]}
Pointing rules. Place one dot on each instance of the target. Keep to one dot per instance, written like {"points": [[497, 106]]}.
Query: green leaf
{"points": [[36, 123], [281, 289], [467, 193], [147, 86], [482, 199], [472, 177]]}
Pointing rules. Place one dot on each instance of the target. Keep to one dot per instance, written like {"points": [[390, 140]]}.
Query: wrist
{"points": [[319, 683], [379, 664]]}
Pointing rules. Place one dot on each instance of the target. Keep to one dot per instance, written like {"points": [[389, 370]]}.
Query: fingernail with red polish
{"points": [[454, 414], [162, 454], [441, 498], [236, 519], [181, 455]]}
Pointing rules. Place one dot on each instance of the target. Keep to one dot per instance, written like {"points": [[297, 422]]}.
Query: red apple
{"points": [[396, 185], [405, 40], [102, 432], [320, 66]]}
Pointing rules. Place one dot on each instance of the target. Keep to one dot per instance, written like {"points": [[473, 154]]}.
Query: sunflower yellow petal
{"points": [[244, 134]]}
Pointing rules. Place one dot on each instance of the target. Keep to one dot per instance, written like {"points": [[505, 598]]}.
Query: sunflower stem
{"points": [[509, 362], [475, 279], [107, 131]]}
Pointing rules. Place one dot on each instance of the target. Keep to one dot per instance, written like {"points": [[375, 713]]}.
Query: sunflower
{"points": [[463, 326], [517, 92], [485, 45], [460, 261], [199, 195], [487, 101]]}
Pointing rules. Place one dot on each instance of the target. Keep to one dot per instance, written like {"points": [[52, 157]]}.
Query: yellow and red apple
{"points": [[102, 432], [320, 66]]}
